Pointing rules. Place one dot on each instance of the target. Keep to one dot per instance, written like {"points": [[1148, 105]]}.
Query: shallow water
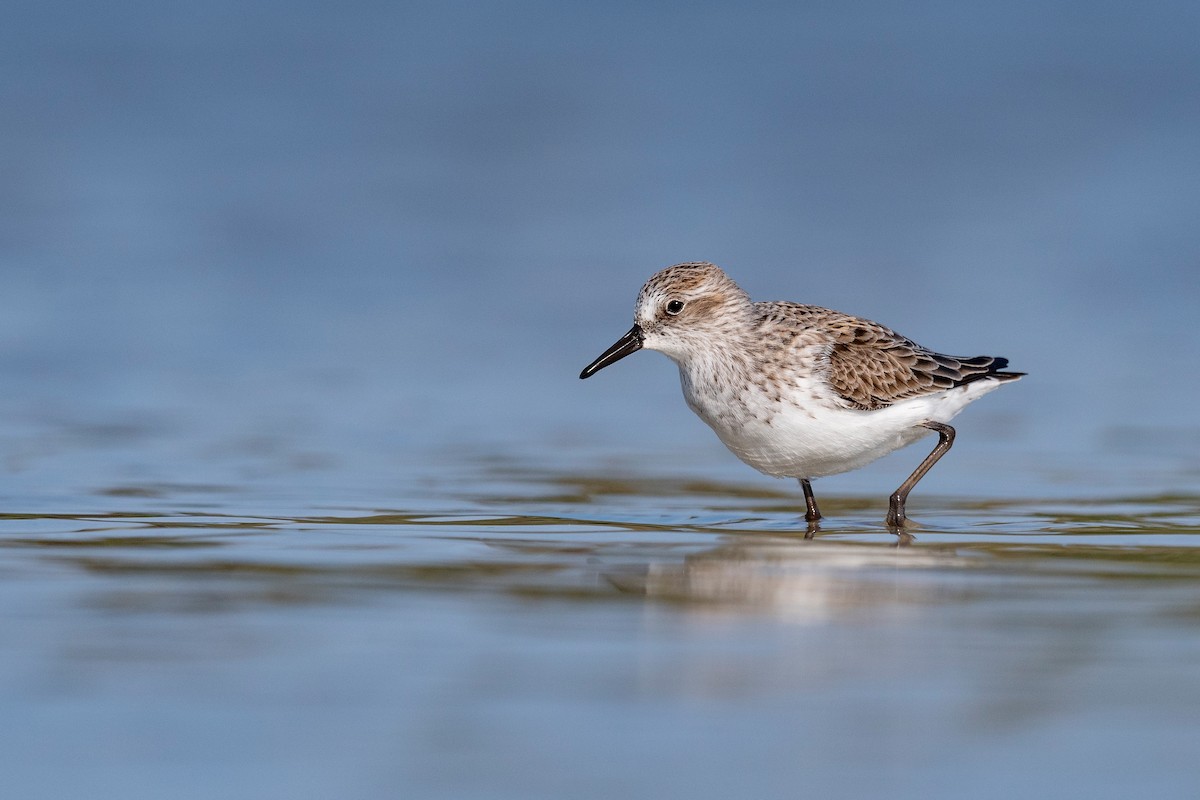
{"points": [[591, 634]]}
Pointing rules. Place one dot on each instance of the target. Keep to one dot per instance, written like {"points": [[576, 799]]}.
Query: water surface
{"points": [[540, 633]]}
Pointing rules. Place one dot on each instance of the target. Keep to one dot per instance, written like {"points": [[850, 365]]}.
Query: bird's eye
{"points": [[674, 307]]}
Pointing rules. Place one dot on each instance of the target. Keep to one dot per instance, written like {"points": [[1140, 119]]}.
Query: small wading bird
{"points": [[801, 391]]}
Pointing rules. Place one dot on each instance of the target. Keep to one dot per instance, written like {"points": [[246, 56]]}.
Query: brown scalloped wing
{"points": [[872, 367]]}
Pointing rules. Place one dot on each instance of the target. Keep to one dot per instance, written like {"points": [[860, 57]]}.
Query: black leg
{"points": [[811, 513], [895, 515]]}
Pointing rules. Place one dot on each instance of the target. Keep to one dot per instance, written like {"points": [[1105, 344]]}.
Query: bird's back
{"points": [[870, 366]]}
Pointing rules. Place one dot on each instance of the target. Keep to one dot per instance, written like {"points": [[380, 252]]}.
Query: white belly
{"points": [[807, 435]]}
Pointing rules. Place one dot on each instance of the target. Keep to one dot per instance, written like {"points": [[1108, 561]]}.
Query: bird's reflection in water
{"points": [[812, 583]]}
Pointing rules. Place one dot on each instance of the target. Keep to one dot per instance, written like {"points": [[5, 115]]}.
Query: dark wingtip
{"points": [[989, 363], [987, 367]]}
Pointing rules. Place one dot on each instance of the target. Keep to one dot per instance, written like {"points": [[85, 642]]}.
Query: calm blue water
{"points": [[300, 494]]}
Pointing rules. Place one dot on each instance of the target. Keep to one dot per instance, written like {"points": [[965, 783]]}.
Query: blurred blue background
{"points": [[260, 260], [402, 226]]}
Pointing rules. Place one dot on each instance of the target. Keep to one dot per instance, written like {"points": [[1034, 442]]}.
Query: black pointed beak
{"points": [[631, 342]]}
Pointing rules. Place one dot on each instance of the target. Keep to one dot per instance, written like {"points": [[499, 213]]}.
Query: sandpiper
{"points": [[801, 391]]}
